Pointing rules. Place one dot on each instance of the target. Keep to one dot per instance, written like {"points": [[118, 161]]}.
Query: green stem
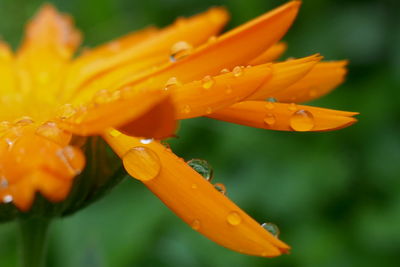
{"points": [[33, 240]]}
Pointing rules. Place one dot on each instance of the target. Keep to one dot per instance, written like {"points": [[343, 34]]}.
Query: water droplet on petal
{"points": [[142, 163], [146, 141], [195, 224], [269, 105], [72, 159], [270, 119], [237, 71], [171, 83], [180, 50], [223, 71], [207, 82], [202, 167], [220, 187], [234, 218], [102, 96], [272, 99], [212, 39], [7, 199], [114, 46], [272, 228], [292, 107], [50, 131], [24, 121], [302, 121], [66, 111], [209, 110]]}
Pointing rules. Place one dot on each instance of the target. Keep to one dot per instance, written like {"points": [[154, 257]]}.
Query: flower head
{"points": [[133, 90]]}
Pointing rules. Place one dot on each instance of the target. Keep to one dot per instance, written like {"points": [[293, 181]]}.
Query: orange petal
{"points": [[158, 123], [233, 48], [49, 43], [285, 74], [194, 30], [193, 198], [322, 79], [271, 54], [109, 109], [285, 117], [199, 98]]}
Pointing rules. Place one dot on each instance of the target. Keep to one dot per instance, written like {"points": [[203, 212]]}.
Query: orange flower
{"points": [[133, 90]]}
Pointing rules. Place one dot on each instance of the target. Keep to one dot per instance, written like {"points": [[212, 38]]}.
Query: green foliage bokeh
{"points": [[335, 196]]}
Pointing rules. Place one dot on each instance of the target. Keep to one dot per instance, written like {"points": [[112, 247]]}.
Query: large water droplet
{"points": [[237, 71], [234, 218], [207, 82], [223, 71], [142, 163], [302, 121], [220, 187], [202, 167], [180, 50], [270, 119], [196, 224], [272, 228]]}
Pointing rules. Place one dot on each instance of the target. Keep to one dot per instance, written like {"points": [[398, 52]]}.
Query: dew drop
{"points": [[292, 107], [24, 121], [202, 167], [212, 39], [209, 110], [69, 155], [114, 46], [207, 82], [220, 187], [302, 121], [66, 111], [142, 163], [171, 83], [270, 119], [7, 199], [180, 50], [237, 71], [195, 224], [272, 228], [223, 71], [234, 218], [102, 96], [272, 99], [146, 141], [50, 131], [194, 186]]}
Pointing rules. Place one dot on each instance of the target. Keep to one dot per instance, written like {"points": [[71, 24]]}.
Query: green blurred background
{"points": [[335, 196]]}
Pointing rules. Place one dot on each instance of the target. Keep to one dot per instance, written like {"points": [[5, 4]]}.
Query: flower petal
{"points": [[159, 122], [110, 109], [199, 98], [196, 201], [285, 117], [285, 74], [194, 30], [236, 47], [271, 54], [322, 79]]}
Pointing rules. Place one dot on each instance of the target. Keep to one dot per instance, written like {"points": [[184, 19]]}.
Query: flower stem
{"points": [[33, 241]]}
